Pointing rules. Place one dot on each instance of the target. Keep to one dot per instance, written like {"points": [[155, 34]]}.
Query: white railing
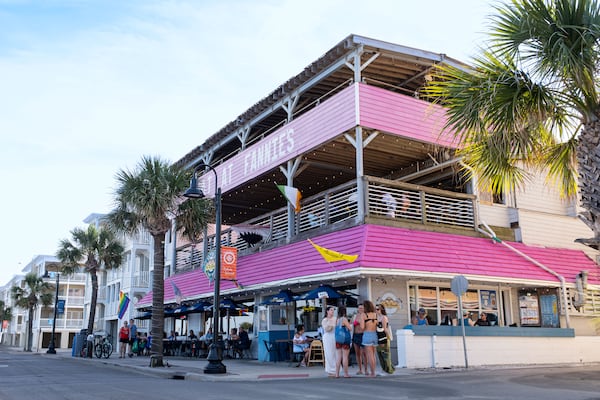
{"points": [[61, 323], [74, 301], [385, 199]]}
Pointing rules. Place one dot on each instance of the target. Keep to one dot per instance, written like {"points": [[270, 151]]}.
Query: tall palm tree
{"points": [[34, 292], [95, 249], [150, 197], [531, 100]]}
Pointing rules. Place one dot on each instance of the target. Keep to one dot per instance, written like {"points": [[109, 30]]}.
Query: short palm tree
{"points": [[150, 197], [94, 249], [531, 100], [34, 292]]}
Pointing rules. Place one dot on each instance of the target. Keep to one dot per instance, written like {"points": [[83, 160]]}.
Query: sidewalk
{"points": [[237, 370]]}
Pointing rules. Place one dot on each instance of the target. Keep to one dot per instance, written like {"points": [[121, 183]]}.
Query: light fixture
{"points": [[215, 361]]}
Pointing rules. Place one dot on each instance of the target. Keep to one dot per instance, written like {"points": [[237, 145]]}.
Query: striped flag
{"points": [[178, 296], [123, 304], [331, 255], [292, 195]]}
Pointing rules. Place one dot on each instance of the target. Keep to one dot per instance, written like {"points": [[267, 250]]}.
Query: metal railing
{"points": [[384, 199]]}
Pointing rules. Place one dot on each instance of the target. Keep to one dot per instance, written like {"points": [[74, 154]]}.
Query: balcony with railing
{"points": [[387, 202]]}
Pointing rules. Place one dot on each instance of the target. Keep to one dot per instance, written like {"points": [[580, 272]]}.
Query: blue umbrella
{"points": [[197, 307], [169, 312], [321, 292], [284, 296], [146, 315], [224, 304], [180, 310]]}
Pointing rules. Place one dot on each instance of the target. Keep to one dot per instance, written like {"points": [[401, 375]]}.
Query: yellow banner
{"points": [[332, 256]]}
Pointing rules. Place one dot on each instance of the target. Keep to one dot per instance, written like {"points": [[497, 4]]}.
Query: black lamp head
{"points": [[193, 191]]}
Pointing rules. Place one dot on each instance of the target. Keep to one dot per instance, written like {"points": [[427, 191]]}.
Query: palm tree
{"points": [[531, 100], [94, 249], [34, 292], [150, 197]]}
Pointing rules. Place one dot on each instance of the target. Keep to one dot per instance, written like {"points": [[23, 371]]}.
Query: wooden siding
{"points": [[403, 115], [494, 215], [542, 197], [555, 231]]}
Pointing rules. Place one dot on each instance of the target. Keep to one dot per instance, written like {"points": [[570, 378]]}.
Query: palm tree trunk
{"points": [[158, 307], [93, 302], [29, 329], [588, 157]]}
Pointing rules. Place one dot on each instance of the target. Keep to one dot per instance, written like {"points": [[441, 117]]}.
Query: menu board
{"points": [[529, 310]]}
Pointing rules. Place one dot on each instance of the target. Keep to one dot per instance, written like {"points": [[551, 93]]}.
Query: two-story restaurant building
{"points": [[380, 180]]}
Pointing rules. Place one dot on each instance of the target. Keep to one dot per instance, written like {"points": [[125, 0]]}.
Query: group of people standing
{"points": [[371, 335], [131, 341]]}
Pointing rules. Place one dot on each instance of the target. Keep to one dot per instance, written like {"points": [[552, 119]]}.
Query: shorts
{"points": [[123, 340], [342, 346], [357, 338], [370, 339]]}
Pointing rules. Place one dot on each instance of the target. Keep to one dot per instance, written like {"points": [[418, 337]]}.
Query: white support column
{"points": [[290, 172], [405, 339]]}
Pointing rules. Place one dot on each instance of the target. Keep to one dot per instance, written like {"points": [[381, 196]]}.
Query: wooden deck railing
{"points": [[385, 199]]}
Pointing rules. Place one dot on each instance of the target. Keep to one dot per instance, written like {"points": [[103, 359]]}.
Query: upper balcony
{"points": [[387, 202]]}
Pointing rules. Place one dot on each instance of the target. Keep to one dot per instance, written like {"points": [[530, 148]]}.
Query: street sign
{"points": [[459, 285]]}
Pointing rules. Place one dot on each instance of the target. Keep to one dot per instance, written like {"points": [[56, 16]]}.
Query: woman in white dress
{"points": [[328, 325]]}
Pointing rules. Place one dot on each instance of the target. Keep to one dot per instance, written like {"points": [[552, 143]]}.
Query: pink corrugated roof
{"points": [[393, 249]]}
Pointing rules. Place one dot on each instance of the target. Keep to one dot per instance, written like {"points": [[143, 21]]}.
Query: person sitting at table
{"points": [[208, 337], [243, 343], [233, 336], [172, 336], [301, 345], [192, 335], [482, 321]]}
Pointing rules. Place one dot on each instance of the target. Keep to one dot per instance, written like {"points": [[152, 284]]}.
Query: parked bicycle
{"points": [[104, 348]]}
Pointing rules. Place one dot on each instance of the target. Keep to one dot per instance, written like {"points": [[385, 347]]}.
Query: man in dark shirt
{"points": [[243, 343], [482, 321]]}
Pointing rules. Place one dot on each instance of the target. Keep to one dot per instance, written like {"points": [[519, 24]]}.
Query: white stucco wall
{"points": [[447, 351]]}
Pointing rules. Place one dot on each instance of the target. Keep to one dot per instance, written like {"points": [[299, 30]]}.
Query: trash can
{"points": [[78, 342]]}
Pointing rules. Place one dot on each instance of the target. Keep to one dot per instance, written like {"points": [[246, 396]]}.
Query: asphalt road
{"points": [[33, 377]]}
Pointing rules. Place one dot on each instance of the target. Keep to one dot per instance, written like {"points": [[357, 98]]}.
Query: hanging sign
{"points": [[228, 263]]}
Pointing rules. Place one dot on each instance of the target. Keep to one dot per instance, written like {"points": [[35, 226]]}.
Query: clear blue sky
{"points": [[89, 86]]}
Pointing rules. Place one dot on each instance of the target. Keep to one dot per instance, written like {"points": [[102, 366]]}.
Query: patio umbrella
{"points": [[145, 315], [181, 310], [197, 307], [169, 312], [284, 296], [321, 292]]}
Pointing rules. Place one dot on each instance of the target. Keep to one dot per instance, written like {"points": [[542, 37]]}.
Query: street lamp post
{"points": [[215, 361], [51, 348]]}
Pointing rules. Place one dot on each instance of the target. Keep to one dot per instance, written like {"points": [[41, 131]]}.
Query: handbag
{"points": [[381, 334], [342, 334]]}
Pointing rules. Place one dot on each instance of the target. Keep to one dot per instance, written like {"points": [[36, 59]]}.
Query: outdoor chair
{"points": [[316, 353]]}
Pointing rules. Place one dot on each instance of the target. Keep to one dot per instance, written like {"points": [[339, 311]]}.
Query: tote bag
{"points": [[342, 334]]}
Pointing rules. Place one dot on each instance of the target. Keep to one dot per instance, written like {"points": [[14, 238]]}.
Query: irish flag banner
{"points": [[292, 195], [123, 304]]}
